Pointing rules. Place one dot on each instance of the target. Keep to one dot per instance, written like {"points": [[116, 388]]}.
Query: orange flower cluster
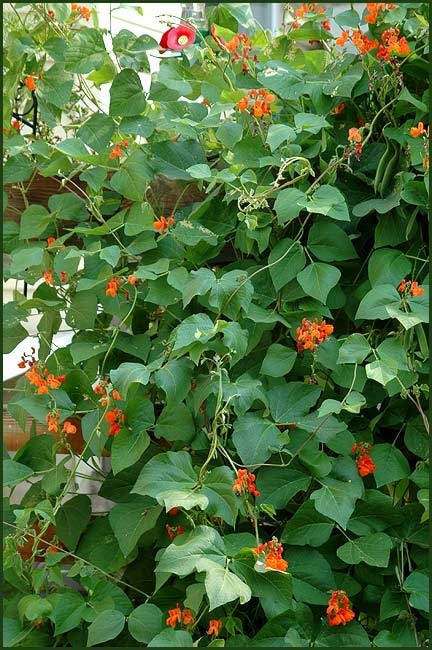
{"points": [[115, 418], [117, 150], [30, 83], [163, 224], [339, 610], [48, 277], [392, 45], [410, 286], [244, 483], [311, 8], [418, 130], [173, 531], [364, 462], [53, 423], [102, 388], [113, 286], [237, 42], [176, 615], [374, 9], [311, 333], [215, 626], [262, 99], [84, 11], [354, 135], [273, 555], [44, 381], [362, 41], [133, 280]]}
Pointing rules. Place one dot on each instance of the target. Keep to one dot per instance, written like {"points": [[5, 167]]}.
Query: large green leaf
{"points": [[127, 448], [336, 499], [175, 379], [127, 374], [417, 586], [34, 221], [68, 609], [145, 622], [328, 242], [290, 401], [278, 485], [254, 437], [130, 520], [278, 360], [106, 626], [97, 131], [374, 303], [307, 527], [218, 488], [15, 473], [391, 464], [285, 261], [175, 423], [72, 520], [127, 94], [327, 200], [317, 279], [170, 479], [372, 549]]}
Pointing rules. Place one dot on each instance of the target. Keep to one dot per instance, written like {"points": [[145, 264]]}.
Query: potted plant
{"points": [[253, 360]]}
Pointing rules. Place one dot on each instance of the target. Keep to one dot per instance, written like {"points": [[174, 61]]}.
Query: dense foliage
{"points": [[250, 354]]}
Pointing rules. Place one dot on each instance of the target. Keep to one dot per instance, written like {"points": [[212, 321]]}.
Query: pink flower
{"points": [[178, 38]]}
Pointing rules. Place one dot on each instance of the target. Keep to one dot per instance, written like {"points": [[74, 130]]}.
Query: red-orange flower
{"points": [[342, 39], [173, 512], [245, 483], [163, 224], [187, 616], [116, 395], [273, 551], [363, 461], [48, 276], [410, 286], [173, 531], [133, 280], [418, 130], [311, 333], [259, 102], [339, 610], [339, 109], [392, 45], [362, 42], [215, 626], [415, 290], [354, 135], [116, 152], [115, 418], [174, 616], [15, 125], [63, 276], [69, 428], [52, 420], [50, 241], [30, 83], [85, 12], [309, 8], [178, 38], [374, 8], [326, 25], [113, 287]]}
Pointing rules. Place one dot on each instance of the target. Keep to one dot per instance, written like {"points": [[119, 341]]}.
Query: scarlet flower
{"points": [[174, 616], [116, 152], [339, 610], [418, 130], [412, 286], [115, 418], [116, 395], [273, 551], [173, 531], [74, 6], [362, 42], [30, 83], [133, 280], [415, 290], [69, 428], [326, 25], [295, 24], [163, 224], [339, 109], [363, 461], [15, 125], [342, 39], [178, 38], [311, 8], [50, 241], [214, 627], [244, 483], [243, 104], [51, 14], [173, 512], [187, 616], [311, 333], [54, 382], [354, 135], [63, 276], [52, 420], [374, 8], [361, 122], [392, 45], [85, 12], [48, 276], [113, 287]]}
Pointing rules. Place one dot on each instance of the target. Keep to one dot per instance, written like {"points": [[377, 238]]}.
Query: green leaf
{"points": [[191, 234], [279, 133], [373, 305], [372, 549], [391, 464], [140, 218], [310, 123], [38, 453], [236, 340], [132, 519], [127, 448], [382, 206], [417, 586], [106, 556], [415, 193], [391, 604], [229, 133], [34, 221], [169, 638], [187, 550], [86, 52], [286, 205], [327, 200], [106, 626], [330, 243], [175, 423], [232, 292], [145, 622], [352, 635], [175, 379], [72, 520], [127, 374], [349, 18], [170, 479], [317, 279], [82, 310], [68, 609], [278, 360], [354, 349], [253, 438], [380, 372], [375, 512], [278, 485], [222, 502], [15, 473], [97, 132], [196, 328], [388, 266], [289, 402], [198, 284], [130, 180], [336, 499], [287, 258], [307, 527], [127, 95], [222, 586]]}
